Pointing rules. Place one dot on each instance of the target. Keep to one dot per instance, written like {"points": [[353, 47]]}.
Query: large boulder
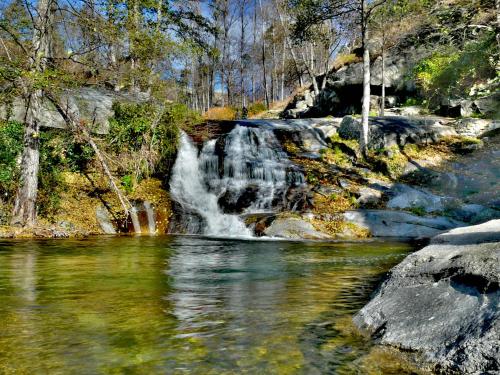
{"points": [[407, 197], [385, 223], [475, 127], [442, 302], [294, 228], [91, 103], [391, 131]]}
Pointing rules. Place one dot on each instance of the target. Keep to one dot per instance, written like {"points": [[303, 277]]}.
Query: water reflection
{"points": [[185, 305]]}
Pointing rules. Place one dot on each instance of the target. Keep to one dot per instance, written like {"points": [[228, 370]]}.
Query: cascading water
{"points": [[189, 190], [243, 172]]}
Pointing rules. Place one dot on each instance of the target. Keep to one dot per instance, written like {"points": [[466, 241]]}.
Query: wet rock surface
{"points": [[391, 131], [443, 302]]}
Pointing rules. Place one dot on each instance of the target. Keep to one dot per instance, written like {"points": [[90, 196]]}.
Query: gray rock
{"points": [[406, 197], [92, 104], [385, 223], [391, 131], [408, 111], [104, 220], [473, 213], [474, 127], [294, 228], [482, 233], [442, 302], [369, 196], [489, 105], [457, 107], [391, 101]]}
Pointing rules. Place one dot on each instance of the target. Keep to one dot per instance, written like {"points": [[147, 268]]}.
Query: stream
{"points": [[188, 304]]}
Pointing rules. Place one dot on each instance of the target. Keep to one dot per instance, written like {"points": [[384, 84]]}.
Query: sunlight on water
{"points": [[188, 305]]}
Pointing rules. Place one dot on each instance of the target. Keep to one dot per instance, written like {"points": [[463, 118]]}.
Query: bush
{"points": [[11, 145], [452, 72], [256, 108], [150, 142]]}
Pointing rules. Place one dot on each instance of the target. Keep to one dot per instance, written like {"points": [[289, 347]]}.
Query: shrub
{"points": [[147, 137], [11, 145], [451, 72], [256, 108]]}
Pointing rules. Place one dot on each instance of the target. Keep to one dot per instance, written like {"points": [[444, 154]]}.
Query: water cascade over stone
{"points": [[189, 190], [243, 172]]}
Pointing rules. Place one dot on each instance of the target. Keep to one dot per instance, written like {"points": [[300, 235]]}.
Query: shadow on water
{"points": [[185, 304]]}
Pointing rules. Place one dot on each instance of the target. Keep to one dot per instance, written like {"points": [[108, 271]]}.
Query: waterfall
{"points": [[243, 172], [189, 190], [151, 217], [135, 220]]}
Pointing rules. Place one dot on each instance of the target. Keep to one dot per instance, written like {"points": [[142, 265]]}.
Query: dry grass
{"points": [[220, 113]]}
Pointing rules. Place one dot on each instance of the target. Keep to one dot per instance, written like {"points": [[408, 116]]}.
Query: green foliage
{"points": [[127, 182], [52, 161], [451, 72], [149, 134], [410, 102], [11, 145]]}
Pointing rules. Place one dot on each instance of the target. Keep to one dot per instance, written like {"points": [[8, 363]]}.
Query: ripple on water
{"points": [[187, 304]]}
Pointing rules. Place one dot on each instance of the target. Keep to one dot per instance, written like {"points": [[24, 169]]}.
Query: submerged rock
{"points": [[442, 302]]}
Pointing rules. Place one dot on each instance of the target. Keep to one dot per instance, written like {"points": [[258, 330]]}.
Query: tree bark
{"points": [[242, 51], [24, 212], [365, 111], [382, 99], [264, 74]]}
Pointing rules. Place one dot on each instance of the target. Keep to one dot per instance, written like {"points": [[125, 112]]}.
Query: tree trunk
{"points": [[365, 111], [283, 56], [254, 47], [24, 212], [242, 51], [382, 100], [266, 94]]}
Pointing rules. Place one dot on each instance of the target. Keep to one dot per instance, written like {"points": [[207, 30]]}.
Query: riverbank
{"points": [[441, 303], [412, 190]]}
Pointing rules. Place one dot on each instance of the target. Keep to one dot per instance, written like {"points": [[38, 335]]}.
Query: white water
{"points": [[188, 189], [135, 220], [252, 157], [151, 217]]}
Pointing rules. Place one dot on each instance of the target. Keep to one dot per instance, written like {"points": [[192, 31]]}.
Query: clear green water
{"points": [[176, 305]]}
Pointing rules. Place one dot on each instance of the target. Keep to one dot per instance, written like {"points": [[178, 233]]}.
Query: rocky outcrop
{"points": [[442, 302], [385, 223], [391, 131], [475, 127], [91, 103]]}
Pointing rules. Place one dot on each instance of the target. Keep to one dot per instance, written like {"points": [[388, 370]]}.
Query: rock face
{"points": [[294, 228], [475, 127], [443, 302], [406, 197], [92, 104], [385, 223], [396, 131]]}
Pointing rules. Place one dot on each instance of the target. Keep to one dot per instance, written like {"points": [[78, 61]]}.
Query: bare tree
{"points": [[24, 212]]}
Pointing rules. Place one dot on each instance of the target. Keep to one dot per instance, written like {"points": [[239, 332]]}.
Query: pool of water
{"points": [[176, 305]]}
